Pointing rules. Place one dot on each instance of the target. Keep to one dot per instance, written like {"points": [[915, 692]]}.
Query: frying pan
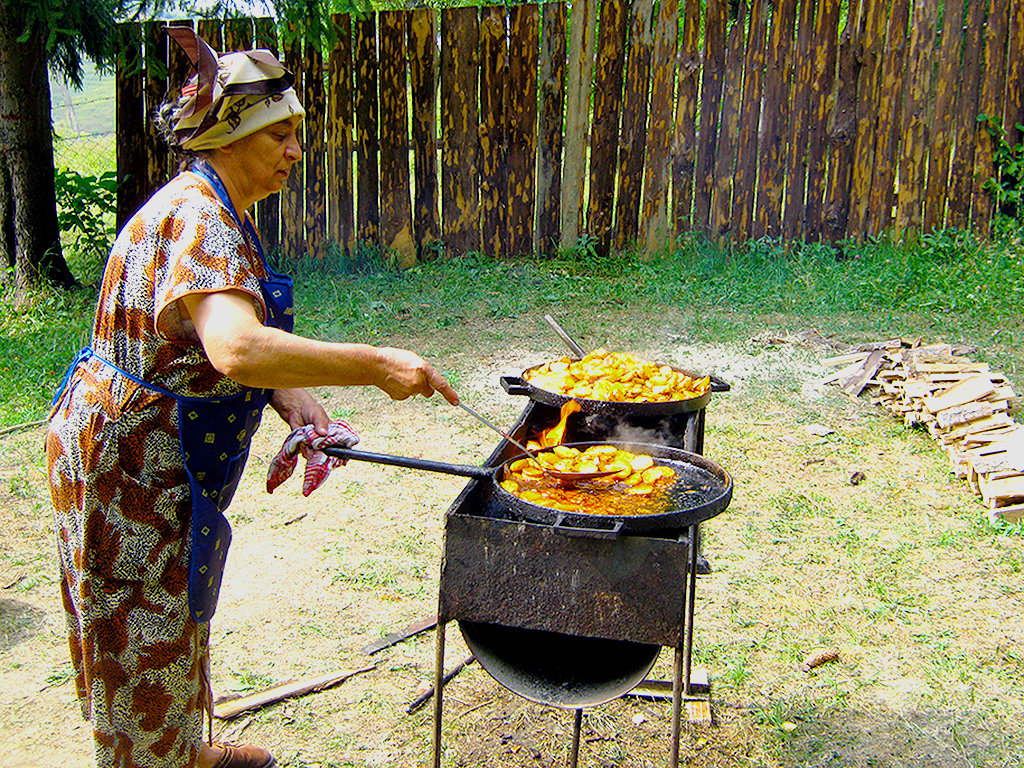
{"points": [[520, 385], [702, 490]]}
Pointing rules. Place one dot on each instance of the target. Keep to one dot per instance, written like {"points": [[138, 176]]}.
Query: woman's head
{"points": [[229, 98]]}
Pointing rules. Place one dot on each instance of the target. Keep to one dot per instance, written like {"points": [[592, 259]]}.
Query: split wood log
{"points": [[844, 374], [962, 393], [857, 382], [845, 360], [1013, 513], [962, 414], [1000, 486], [234, 707]]}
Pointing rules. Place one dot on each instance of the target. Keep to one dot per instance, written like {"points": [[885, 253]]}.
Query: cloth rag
{"points": [[307, 441]]}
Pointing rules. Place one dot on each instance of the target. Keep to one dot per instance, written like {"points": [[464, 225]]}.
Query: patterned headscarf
{"points": [[230, 96]]}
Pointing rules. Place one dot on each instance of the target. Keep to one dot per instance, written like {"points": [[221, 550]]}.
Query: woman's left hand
{"points": [[298, 408]]}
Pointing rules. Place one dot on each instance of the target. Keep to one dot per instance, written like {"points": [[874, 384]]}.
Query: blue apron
{"points": [[214, 435]]}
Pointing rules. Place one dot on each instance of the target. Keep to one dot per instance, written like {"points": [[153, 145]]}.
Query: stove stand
{"points": [[544, 606]]}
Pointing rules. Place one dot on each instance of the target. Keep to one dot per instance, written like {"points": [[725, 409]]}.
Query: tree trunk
{"points": [[30, 250]]}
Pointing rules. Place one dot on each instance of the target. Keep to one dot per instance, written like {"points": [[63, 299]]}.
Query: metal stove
{"points": [[570, 617]]}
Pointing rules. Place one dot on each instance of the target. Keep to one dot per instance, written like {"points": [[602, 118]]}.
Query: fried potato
{"points": [[616, 377]]}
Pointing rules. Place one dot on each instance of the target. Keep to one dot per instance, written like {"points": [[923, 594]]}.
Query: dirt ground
{"points": [[923, 604]]}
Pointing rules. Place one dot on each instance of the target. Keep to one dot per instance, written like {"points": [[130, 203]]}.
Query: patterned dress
{"points": [[120, 493]]}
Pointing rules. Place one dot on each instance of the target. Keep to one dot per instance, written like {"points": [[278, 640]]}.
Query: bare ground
{"points": [[899, 572]]}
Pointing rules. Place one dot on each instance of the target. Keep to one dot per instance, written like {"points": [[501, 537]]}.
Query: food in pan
{"points": [[638, 487], [616, 377]]}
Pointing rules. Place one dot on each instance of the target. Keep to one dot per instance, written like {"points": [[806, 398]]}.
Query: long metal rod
{"points": [[690, 603], [677, 706], [438, 688], [577, 726], [568, 340], [499, 430]]}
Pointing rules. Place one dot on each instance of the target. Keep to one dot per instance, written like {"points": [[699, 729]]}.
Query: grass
{"points": [[944, 286]]}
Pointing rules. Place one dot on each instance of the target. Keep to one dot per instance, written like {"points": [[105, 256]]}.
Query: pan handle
{"points": [[515, 385], [587, 533], [462, 470], [719, 385]]}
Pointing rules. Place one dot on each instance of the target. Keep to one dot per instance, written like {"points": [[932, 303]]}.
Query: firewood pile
{"points": [[965, 405]]}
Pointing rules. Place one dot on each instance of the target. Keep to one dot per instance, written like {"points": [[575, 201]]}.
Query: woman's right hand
{"points": [[405, 374]]}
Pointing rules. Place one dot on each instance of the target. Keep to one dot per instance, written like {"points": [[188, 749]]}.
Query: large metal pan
{"points": [[520, 385], [686, 506]]}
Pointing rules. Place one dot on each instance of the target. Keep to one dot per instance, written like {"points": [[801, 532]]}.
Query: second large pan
{"points": [[687, 506]]}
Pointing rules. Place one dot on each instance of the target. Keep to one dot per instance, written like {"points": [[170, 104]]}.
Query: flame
{"points": [[556, 434]]}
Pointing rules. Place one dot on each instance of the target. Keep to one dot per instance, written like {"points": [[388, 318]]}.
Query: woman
{"points": [[151, 429]]}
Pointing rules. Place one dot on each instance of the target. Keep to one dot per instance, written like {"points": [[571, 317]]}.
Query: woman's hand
{"points": [[407, 374], [296, 407]]}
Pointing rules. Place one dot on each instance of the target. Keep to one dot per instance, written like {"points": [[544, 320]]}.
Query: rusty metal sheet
{"points": [[533, 577]]}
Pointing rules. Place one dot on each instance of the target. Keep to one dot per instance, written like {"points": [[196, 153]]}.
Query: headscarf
{"points": [[230, 96]]}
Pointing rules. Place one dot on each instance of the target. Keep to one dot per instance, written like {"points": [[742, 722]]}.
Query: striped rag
{"points": [[318, 465]]}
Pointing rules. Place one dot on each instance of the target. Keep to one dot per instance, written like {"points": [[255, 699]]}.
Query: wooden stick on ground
{"points": [[424, 697], [235, 707]]}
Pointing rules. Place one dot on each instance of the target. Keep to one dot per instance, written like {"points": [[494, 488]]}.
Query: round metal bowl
{"points": [[556, 669]]}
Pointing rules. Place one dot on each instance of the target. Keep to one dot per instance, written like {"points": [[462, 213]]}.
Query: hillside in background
{"points": [[85, 112]]}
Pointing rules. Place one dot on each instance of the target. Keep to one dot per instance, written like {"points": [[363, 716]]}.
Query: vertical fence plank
{"points": [[729, 127], [493, 136], [825, 53], [745, 187], [842, 127], [872, 35], [962, 168], [1014, 85], [315, 157], [460, 35], [552, 103], [364, 48], [209, 30], [395, 201], [292, 197], [712, 77], [268, 210], [775, 122], [990, 104], [132, 163], [793, 224], [883, 175], [155, 41], [684, 145], [655, 227], [604, 127], [633, 136], [523, 39], [340, 189], [238, 34], [918, 90], [422, 58], [579, 79], [947, 86]]}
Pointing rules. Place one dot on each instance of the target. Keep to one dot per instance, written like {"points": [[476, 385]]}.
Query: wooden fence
{"points": [[507, 130]]}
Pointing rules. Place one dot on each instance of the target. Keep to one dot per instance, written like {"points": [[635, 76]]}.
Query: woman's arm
{"points": [[243, 349]]}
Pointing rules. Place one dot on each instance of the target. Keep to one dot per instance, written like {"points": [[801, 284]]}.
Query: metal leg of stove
{"points": [[577, 726], [677, 707], [691, 598], [438, 688]]}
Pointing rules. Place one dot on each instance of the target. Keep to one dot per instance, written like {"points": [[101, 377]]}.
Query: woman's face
{"points": [[264, 158]]}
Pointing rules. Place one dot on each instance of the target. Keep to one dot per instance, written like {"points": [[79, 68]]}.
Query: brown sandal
{"points": [[243, 757]]}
